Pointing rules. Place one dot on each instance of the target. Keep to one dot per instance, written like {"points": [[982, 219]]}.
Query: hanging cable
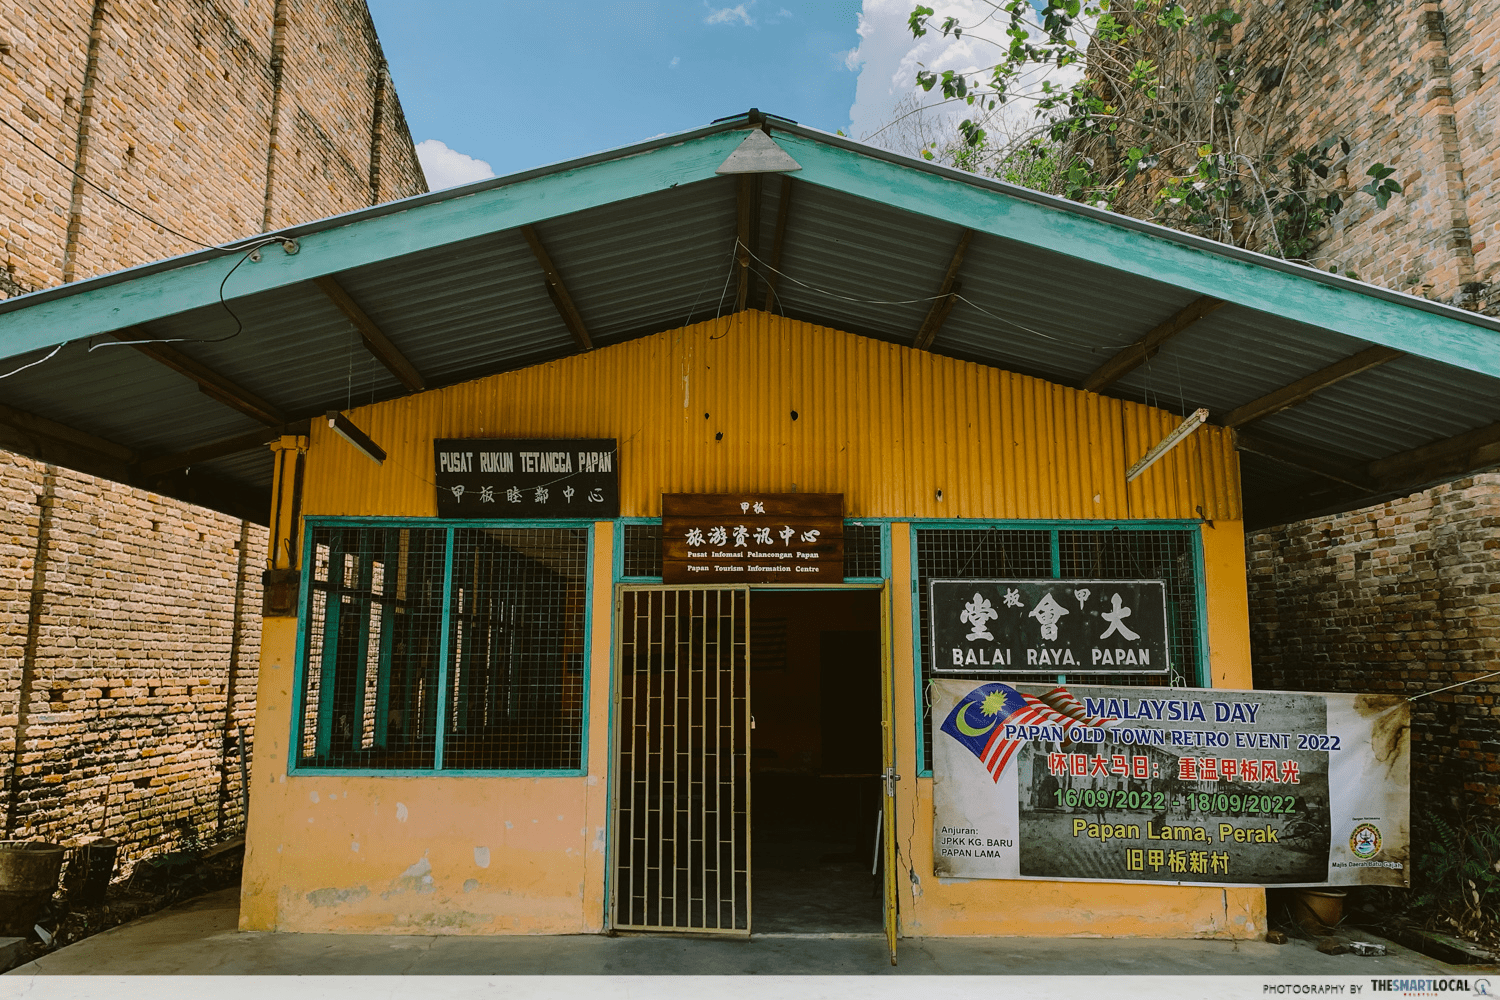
{"points": [[36, 362]]}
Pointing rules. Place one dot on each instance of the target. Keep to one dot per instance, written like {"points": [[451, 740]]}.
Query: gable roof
{"points": [[1343, 392]]}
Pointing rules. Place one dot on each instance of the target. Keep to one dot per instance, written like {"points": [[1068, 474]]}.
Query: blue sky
{"points": [[519, 86], [495, 86]]}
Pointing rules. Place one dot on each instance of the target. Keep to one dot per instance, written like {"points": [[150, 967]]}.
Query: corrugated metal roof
{"points": [[654, 261]]}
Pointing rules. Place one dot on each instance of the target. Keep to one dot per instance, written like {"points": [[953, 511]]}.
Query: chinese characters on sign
{"points": [[1048, 626], [516, 478], [1185, 785], [752, 538]]}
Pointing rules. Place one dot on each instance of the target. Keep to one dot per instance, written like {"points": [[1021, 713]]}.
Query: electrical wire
{"points": [[38, 361], [239, 324]]}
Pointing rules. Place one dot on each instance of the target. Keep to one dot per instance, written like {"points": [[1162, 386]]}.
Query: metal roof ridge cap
{"points": [[1147, 228], [193, 257]]}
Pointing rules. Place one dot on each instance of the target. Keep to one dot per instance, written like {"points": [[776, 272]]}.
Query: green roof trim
{"points": [[139, 295], [99, 306], [1301, 297]]}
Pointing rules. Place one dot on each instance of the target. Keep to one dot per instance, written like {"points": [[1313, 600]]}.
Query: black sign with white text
{"points": [[515, 478], [1049, 626]]}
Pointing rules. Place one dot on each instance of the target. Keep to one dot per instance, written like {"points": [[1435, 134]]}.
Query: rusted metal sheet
{"points": [[758, 403]]}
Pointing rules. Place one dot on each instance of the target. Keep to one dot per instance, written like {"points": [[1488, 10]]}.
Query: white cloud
{"points": [[784, 13], [888, 58], [728, 15], [447, 168], [674, 62]]}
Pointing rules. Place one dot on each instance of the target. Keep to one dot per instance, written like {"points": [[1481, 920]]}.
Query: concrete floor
{"points": [[199, 938]]}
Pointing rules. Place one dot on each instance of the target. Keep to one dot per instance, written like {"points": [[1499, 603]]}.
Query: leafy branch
{"points": [[1159, 108]]}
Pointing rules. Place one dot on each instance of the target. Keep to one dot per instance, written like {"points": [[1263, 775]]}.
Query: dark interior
{"points": [[815, 761]]}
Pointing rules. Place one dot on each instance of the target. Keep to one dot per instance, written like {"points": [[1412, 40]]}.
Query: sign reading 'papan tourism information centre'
{"points": [[1178, 785]]}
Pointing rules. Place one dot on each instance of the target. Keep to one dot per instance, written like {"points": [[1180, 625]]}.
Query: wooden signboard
{"points": [[752, 538]]}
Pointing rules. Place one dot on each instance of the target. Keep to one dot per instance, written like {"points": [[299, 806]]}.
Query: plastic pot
{"points": [[1324, 906], [28, 878]]}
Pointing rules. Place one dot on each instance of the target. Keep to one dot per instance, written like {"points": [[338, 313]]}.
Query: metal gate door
{"points": [[681, 793]]}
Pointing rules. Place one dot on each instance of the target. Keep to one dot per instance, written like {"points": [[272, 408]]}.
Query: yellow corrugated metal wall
{"points": [[708, 409]]}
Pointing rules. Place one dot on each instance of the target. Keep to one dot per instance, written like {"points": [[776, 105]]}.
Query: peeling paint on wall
{"points": [[401, 812], [333, 897], [482, 857], [417, 878]]}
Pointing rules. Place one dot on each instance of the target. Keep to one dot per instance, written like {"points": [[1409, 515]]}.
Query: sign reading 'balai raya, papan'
{"points": [[752, 538]]}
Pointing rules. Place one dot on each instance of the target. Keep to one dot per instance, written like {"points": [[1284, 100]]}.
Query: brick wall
{"points": [[1413, 85], [219, 118], [132, 622], [1402, 597]]}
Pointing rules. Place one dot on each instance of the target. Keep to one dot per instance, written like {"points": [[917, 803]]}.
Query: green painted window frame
{"points": [[1200, 611], [304, 617]]}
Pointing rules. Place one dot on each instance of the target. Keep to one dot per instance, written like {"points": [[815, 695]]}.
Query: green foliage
{"points": [[1460, 872], [1177, 138]]}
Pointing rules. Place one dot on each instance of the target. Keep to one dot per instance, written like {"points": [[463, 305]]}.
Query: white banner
{"points": [[1178, 785]]}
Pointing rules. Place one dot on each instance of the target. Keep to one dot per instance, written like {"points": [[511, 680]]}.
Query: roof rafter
{"points": [[211, 383], [236, 445], [49, 441], [1302, 389], [1305, 459], [783, 212], [1143, 350], [557, 291], [947, 295], [376, 342], [747, 227]]}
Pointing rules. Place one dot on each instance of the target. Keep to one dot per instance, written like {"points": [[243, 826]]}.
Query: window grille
{"points": [[642, 551], [502, 652], [1099, 554], [641, 557], [862, 555]]}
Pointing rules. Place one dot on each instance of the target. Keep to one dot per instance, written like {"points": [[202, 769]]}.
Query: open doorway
{"points": [[815, 761]]}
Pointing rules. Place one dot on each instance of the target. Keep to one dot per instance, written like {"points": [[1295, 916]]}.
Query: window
{"points": [[443, 648], [1169, 554]]}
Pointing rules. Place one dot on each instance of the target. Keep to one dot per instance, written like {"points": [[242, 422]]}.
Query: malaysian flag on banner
{"points": [[978, 721]]}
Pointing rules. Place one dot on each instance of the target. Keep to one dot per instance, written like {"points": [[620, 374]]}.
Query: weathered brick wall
{"points": [[174, 115], [1413, 85], [1403, 597], [219, 118], [135, 623]]}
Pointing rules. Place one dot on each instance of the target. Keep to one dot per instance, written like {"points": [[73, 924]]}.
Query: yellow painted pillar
{"points": [[1228, 604], [600, 718]]}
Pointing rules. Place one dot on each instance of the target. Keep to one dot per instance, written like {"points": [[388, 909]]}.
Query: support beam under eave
{"points": [[557, 291], [747, 227], [211, 382], [947, 296], [49, 441], [376, 342], [1309, 460], [1302, 389], [239, 444], [1460, 455], [783, 212], [1143, 350]]}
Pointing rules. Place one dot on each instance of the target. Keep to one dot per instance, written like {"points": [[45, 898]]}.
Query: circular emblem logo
{"points": [[1365, 840]]}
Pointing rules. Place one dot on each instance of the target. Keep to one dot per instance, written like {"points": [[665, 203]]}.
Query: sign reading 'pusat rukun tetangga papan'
{"points": [[1179, 785]]}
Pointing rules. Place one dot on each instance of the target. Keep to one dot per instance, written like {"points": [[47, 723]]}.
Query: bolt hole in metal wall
{"points": [[454, 649], [1169, 554]]}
